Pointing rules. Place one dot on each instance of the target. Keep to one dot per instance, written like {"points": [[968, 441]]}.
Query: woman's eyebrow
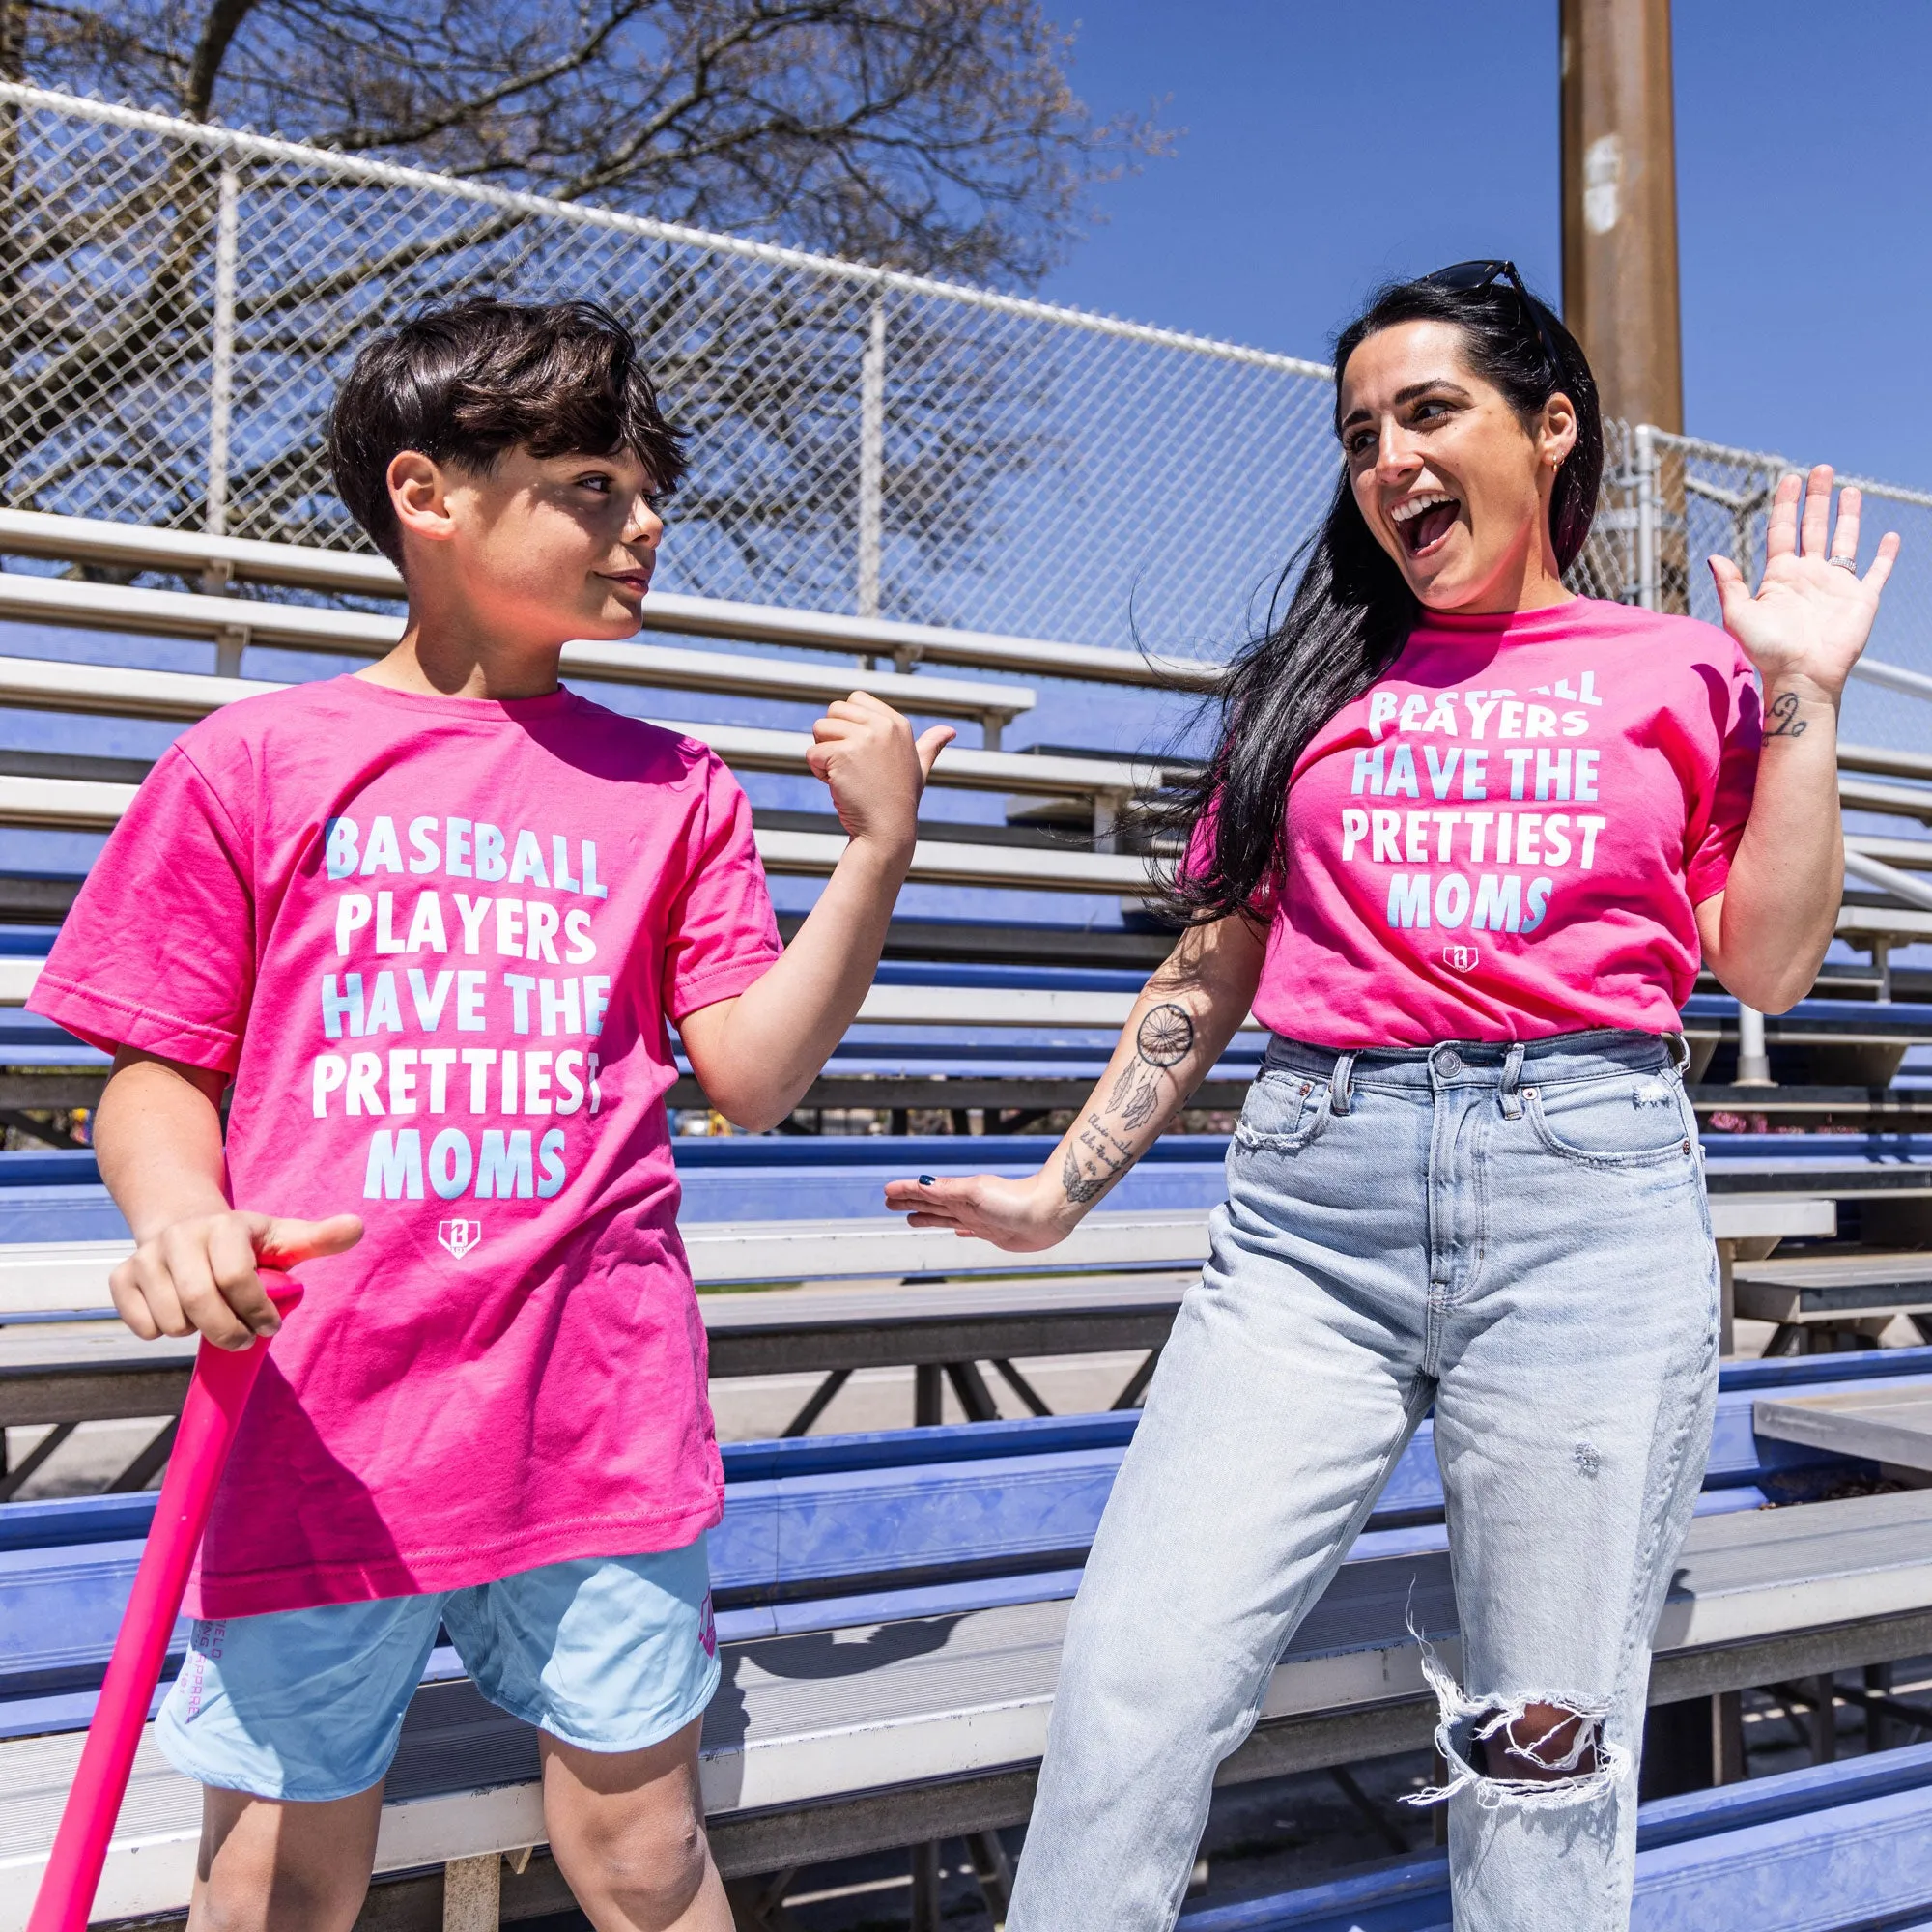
{"points": [[1436, 384]]}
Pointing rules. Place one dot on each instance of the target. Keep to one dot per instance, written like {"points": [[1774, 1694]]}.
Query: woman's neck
{"points": [[1530, 581]]}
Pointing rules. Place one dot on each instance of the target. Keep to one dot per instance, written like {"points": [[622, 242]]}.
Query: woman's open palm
{"points": [[1813, 611]]}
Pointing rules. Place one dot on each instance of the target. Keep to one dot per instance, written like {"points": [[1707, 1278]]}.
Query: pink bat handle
{"points": [[216, 1396]]}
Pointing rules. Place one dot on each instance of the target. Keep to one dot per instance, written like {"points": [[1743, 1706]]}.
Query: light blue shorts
{"points": [[611, 1654]]}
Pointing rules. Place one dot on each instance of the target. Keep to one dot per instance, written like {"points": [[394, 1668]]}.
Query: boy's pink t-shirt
{"points": [[436, 942], [1504, 837]]}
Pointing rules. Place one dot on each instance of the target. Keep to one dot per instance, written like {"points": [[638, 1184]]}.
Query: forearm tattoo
{"points": [[1097, 1155], [1095, 1159], [1785, 713]]}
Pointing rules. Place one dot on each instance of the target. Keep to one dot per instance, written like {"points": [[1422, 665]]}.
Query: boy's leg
{"points": [[614, 1660], [288, 1721], [627, 1829], [291, 1867]]}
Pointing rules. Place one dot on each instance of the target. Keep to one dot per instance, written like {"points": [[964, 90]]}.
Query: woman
{"points": [[1460, 846]]}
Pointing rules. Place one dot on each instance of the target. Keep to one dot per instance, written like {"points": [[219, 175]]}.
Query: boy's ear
{"points": [[419, 496]]}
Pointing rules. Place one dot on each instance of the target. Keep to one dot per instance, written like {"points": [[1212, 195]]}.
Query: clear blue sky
{"points": [[1328, 145]]}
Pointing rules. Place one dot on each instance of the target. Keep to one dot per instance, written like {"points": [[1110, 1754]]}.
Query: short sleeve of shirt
{"points": [[1714, 833], [721, 935], [158, 951]]}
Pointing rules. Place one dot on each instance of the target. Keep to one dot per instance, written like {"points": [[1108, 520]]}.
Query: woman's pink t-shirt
{"points": [[436, 942], [1504, 837]]}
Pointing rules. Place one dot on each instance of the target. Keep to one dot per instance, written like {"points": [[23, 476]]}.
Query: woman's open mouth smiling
{"points": [[1424, 522]]}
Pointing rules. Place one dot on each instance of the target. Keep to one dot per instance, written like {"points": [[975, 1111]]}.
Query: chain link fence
{"points": [[178, 302]]}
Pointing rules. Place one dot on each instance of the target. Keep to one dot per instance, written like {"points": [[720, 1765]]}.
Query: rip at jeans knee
{"points": [[1585, 1764]]}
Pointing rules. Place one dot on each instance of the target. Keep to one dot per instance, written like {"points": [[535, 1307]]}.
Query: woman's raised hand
{"points": [[1021, 1216], [1813, 611]]}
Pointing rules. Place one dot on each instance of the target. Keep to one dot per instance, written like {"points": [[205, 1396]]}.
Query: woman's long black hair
{"points": [[1352, 613]]}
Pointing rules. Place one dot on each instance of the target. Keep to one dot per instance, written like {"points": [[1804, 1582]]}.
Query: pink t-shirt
{"points": [[436, 942], [1504, 837]]}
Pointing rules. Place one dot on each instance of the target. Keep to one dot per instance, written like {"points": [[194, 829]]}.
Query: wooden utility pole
{"points": [[1620, 205]]}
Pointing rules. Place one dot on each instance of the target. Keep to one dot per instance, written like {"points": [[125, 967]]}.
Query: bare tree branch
{"points": [[922, 133]]}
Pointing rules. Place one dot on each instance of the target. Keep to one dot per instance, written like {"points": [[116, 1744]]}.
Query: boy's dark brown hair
{"points": [[466, 383]]}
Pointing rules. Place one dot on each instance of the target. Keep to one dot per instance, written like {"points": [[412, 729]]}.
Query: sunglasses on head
{"points": [[1468, 278]]}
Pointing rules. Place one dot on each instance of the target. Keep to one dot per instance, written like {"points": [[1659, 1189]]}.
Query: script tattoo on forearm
{"points": [[1095, 1160], [1784, 711], [1097, 1155]]}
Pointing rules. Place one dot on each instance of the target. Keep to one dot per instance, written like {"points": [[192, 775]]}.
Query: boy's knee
{"points": [[258, 1896], [272, 1867], [648, 1868]]}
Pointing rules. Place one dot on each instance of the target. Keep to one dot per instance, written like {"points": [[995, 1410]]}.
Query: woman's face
{"points": [[1445, 474]]}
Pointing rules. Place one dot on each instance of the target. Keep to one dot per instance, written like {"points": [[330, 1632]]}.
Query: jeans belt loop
{"points": [[1512, 1099], [1338, 1083], [1680, 1051]]}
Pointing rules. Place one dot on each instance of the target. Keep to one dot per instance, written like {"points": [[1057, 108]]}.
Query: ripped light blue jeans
{"points": [[1518, 1236]]}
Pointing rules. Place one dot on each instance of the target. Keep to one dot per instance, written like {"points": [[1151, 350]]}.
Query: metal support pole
{"points": [[230, 641], [1649, 554], [1753, 1059], [872, 459], [221, 354], [1107, 808], [924, 1914]]}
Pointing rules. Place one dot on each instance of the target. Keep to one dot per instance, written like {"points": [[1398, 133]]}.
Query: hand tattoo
{"points": [[1785, 709], [1165, 1038]]}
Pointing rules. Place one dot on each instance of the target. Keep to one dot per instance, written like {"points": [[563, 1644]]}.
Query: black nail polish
{"points": [[929, 1180]]}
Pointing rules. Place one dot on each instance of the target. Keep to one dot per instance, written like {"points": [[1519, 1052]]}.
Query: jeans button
{"points": [[1447, 1060]]}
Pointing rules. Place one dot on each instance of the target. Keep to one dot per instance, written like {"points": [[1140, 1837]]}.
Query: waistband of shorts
{"points": [[1484, 1063]]}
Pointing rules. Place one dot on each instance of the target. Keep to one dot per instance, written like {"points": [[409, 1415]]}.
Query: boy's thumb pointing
{"points": [[288, 1241]]}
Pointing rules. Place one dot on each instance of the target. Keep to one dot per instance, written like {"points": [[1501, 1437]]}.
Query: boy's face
{"points": [[543, 548]]}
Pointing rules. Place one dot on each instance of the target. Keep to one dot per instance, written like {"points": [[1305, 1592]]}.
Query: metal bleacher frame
{"points": [[901, 1752], [932, 1723]]}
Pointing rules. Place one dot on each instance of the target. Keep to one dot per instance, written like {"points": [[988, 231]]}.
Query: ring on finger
{"points": [[1850, 563]]}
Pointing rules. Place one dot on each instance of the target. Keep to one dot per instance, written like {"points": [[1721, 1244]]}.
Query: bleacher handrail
{"points": [[135, 545], [1894, 677], [40, 1277], [93, 805], [56, 1276], [121, 692], [304, 627], [1888, 878], [37, 533]]}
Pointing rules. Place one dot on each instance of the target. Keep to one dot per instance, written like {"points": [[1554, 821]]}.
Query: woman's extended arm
{"points": [[1765, 935], [1180, 1026]]}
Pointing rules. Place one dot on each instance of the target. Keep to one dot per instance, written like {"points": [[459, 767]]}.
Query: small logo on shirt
{"points": [[1461, 959], [459, 1236]]}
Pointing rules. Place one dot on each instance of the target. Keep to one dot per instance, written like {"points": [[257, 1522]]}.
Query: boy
{"points": [[431, 919]]}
